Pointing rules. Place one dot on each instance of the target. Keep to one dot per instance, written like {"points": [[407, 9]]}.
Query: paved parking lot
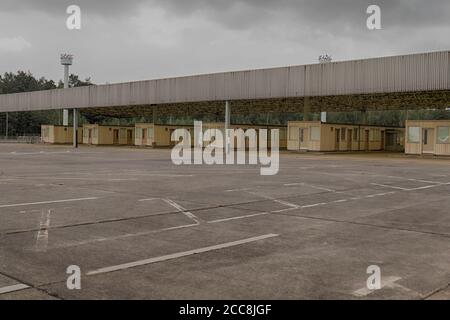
{"points": [[142, 228]]}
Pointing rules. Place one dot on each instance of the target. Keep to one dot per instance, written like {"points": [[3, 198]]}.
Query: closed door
{"points": [[144, 137], [90, 136], [129, 137], [366, 141], [116, 136], [349, 139], [428, 140], [301, 138], [337, 139]]}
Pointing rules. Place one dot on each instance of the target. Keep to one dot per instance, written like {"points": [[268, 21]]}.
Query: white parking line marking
{"points": [[314, 205], [309, 185], [42, 235], [16, 287], [412, 189], [388, 186], [182, 210], [120, 237], [179, 255], [46, 202]]}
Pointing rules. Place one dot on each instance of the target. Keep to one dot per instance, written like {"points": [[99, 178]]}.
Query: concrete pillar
{"points": [[66, 85], [364, 119], [6, 125], [306, 109], [75, 128], [227, 126], [155, 115]]}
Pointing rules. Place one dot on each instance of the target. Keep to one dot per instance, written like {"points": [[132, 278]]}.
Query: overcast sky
{"points": [[146, 39]]}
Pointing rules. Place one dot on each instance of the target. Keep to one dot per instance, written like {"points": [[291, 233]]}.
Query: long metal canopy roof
{"points": [[413, 81]]}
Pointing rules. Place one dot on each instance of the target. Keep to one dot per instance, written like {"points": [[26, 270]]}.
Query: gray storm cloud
{"points": [[141, 39], [244, 12]]}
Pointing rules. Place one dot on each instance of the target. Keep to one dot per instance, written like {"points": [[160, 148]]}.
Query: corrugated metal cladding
{"points": [[417, 72]]}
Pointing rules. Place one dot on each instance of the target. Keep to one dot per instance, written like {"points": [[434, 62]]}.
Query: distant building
{"points": [[155, 135], [319, 136], [58, 134], [94, 134], [282, 144], [428, 137]]}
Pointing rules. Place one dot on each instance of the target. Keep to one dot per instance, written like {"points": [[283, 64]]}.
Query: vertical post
{"points": [[364, 119], [154, 114], [75, 128], [66, 86], [227, 126], [306, 108], [6, 125]]}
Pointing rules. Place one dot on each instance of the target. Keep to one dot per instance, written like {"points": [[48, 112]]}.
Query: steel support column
{"points": [[75, 128], [6, 125], [227, 126]]}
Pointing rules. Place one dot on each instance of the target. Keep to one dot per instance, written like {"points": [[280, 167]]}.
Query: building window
{"points": [[343, 132], [414, 134], [293, 133], [315, 133], [139, 133], [443, 135]]}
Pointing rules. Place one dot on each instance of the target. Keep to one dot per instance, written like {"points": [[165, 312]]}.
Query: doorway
{"points": [[366, 140], [130, 137], [337, 139], [144, 137], [427, 141], [116, 136], [349, 140], [301, 138]]}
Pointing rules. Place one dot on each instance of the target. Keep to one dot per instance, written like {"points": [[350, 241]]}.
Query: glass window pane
{"points": [[315, 133], [443, 135], [414, 134]]}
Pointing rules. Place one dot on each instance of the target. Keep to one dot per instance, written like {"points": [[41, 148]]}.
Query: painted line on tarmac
{"points": [[412, 189], [389, 186], [179, 255], [121, 237], [16, 287], [296, 207], [184, 211], [251, 215], [309, 185], [42, 235], [46, 202]]}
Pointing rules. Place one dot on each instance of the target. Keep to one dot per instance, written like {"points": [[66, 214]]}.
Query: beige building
{"points": [[282, 132], [58, 134], [95, 134], [319, 136], [428, 137], [149, 134]]}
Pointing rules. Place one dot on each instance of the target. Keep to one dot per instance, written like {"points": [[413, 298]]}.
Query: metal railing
{"points": [[30, 139]]}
